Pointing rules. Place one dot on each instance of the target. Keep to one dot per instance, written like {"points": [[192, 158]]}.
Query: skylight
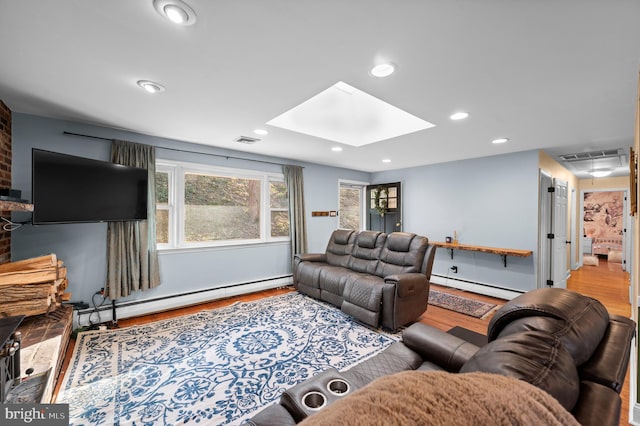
{"points": [[348, 115]]}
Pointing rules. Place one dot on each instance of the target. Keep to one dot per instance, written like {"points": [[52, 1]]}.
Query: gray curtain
{"points": [[132, 258], [298, 226]]}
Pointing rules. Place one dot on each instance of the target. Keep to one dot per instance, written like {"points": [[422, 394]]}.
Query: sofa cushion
{"points": [[400, 241], [402, 252], [535, 357], [332, 280], [366, 251], [362, 298], [394, 359], [342, 236], [368, 239], [309, 273], [579, 321], [340, 247]]}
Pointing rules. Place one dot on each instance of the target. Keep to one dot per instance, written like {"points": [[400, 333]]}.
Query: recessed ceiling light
{"points": [[383, 70], [336, 149], [151, 86], [500, 140], [386, 160], [175, 11], [260, 132], [459, 115], [600, 173]]}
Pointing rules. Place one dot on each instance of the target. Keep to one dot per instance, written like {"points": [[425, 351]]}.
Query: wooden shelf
{"points": [[503, 252], [15, 206]]}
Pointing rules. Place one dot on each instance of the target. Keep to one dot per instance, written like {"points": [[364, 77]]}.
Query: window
{"points": [[351, 205], [279, 208], [164, 205], [215, 206]]}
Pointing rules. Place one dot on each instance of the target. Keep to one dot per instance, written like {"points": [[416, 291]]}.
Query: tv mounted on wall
{"points": [[70, 189]]}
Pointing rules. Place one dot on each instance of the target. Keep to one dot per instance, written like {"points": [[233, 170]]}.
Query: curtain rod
{"points": [[181, 150]]}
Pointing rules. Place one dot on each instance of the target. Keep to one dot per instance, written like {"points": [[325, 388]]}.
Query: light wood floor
{"points": [[606, 282]]}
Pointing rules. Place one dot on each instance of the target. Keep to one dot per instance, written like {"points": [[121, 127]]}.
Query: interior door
{"points": [[384, 207], [545, 229], [559, 236]]}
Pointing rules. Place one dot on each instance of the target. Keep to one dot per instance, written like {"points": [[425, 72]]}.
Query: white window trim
{"points": [[177, 171]]}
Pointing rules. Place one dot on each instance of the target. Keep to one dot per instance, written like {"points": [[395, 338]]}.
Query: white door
{"points": [[544, 228], [559, 241]]}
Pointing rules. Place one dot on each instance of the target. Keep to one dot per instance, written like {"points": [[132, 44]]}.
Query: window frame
{"points": [[177, 171], [279, 209], [170, 170]]}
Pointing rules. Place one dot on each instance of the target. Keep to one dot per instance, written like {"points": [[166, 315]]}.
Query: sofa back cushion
{"points": [[366, 251], [340, 247], [580, 322], [402, 252], [535, 357]]}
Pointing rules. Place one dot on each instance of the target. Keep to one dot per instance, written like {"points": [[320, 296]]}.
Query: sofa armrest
{"points": [[441, 348], [608, 364], [597, 406], [310, 257], [408, 283]]}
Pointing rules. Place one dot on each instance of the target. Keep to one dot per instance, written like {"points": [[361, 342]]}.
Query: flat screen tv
{"points": [[70, 189]]}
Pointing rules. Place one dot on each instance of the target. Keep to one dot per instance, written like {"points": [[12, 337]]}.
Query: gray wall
{"points": [[83, 246], [490, 201]]}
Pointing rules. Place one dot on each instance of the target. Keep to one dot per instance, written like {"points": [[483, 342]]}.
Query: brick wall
{"points": [[5, 175]]}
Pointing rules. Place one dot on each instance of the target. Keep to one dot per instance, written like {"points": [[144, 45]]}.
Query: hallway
{"points": [[606, 282]]}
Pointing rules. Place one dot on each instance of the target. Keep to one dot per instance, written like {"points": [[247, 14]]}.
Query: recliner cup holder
{"points": [[338, 387], [314, 400], [315, 394]]}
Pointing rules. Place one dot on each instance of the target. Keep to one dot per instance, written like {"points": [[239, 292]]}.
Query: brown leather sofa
{"points": [[560, 341], [380, 279]]}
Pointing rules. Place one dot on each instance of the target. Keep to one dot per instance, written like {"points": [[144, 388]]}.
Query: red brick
{"points": [[5, 175]]}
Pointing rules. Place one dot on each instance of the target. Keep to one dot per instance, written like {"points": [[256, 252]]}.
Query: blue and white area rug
{"points": [[214, 367]]}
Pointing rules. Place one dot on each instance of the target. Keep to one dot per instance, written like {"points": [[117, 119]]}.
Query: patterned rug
{"points": [[463, 305], [214, 367]]}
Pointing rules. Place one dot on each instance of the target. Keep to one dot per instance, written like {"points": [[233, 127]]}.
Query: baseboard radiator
{"points": [[104, 314], [475, 287]]}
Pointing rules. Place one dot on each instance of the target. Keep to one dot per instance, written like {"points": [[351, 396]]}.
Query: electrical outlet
{"points": [[454, 269]]}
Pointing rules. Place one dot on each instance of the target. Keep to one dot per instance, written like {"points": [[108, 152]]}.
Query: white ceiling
{"points": [[556, 75]]}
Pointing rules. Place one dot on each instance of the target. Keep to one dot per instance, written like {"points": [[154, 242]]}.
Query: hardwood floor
{"points": [[606, 282]]}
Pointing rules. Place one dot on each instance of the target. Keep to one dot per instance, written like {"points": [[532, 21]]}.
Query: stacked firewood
{"points": [[33, 286]]}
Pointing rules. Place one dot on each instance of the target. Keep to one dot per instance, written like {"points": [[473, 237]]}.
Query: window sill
{"points": [[228, 246]]}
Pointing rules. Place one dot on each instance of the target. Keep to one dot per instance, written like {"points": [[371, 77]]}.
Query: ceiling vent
{"points": [[593, 155], [584, 163], [247, 140]]}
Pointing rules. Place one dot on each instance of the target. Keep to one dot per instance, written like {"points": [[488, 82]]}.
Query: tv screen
{"points": [[68, 189]]}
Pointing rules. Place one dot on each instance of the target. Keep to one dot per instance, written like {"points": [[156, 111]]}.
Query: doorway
{"points": [[604, 225], [384, 212]]}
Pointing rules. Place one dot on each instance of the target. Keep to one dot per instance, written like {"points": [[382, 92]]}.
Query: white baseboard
{"points": [[479, 288], [85, 317]]}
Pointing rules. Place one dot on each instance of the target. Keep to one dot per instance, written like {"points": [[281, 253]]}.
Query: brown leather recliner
{"points": [[560, 341], [380, 279]]}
